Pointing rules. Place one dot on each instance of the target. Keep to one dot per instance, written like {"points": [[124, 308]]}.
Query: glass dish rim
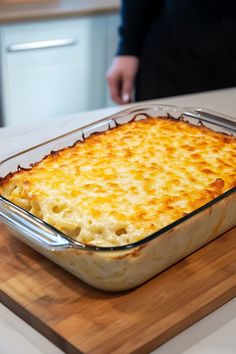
{"points": [[74, 244]]}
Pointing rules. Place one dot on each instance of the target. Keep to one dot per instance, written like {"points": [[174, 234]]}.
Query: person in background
{"points": [[173, 47]]}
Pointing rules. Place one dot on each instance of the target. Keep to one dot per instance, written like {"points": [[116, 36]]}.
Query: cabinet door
{"points": [[49, 68]]}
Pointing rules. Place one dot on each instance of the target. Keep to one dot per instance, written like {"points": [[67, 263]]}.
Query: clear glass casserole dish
{"points": [[122, 267]]}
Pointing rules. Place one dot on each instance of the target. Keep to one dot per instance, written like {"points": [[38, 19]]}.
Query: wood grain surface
{"points": [[32, 10], [80, 319]]}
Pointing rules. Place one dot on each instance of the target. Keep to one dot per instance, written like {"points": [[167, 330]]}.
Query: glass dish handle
{"points": [[209, 116], [32, 228]]}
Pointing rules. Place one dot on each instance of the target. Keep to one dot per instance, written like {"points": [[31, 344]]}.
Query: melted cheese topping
{"points": [[120, 186]]}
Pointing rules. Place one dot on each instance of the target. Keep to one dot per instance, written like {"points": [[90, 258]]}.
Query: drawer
{"points": [[45, 31], [49, 68]]}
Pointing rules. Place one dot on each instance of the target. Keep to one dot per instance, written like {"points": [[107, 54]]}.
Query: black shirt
{"points": [[184, 45]]}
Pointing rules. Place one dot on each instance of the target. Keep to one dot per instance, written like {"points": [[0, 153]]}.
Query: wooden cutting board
{"points": [[78, 318]]}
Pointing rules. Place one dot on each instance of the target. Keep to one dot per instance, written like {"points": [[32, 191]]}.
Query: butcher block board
{"points": [[80, 319]]}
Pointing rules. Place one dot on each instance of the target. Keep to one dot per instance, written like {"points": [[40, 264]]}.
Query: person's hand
{"points": [[121, 76]]}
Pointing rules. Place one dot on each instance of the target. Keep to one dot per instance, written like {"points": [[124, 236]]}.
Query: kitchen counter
{"points": [[213, 334], [55, 9]]}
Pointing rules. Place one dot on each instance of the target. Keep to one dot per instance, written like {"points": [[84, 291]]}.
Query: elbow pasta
{"points": [[119, 186]]}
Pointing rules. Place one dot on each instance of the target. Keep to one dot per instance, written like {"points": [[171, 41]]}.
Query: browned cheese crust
{"points": [[120, 186]]}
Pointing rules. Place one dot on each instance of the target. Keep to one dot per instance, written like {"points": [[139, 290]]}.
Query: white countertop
{"points": [[215, 334]]}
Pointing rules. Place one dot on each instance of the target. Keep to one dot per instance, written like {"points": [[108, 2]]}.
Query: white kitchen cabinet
{"points": [[52, 68]]}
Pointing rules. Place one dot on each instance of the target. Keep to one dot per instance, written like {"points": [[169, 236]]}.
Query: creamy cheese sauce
{"points": [[120, 186]]}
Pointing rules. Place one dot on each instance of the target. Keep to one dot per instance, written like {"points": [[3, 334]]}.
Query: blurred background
{"points": [[54, 55]]}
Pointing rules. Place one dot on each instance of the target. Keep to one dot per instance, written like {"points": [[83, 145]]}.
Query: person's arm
{"points": [[136, 18]]}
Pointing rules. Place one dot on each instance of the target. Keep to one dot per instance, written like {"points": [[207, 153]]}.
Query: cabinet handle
{"points": [[52, 43]]}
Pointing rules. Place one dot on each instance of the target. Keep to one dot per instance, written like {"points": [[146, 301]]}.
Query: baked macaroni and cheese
{"points": [[120, 186]]}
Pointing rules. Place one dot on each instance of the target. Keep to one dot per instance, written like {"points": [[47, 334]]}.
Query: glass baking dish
{"points": [[123, 267]]}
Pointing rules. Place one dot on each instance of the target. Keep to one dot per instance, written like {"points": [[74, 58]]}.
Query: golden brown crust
{"points": [[118, 186]]}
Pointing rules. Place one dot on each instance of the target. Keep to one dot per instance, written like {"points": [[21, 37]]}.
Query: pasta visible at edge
{"points": [[119, 186]]}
